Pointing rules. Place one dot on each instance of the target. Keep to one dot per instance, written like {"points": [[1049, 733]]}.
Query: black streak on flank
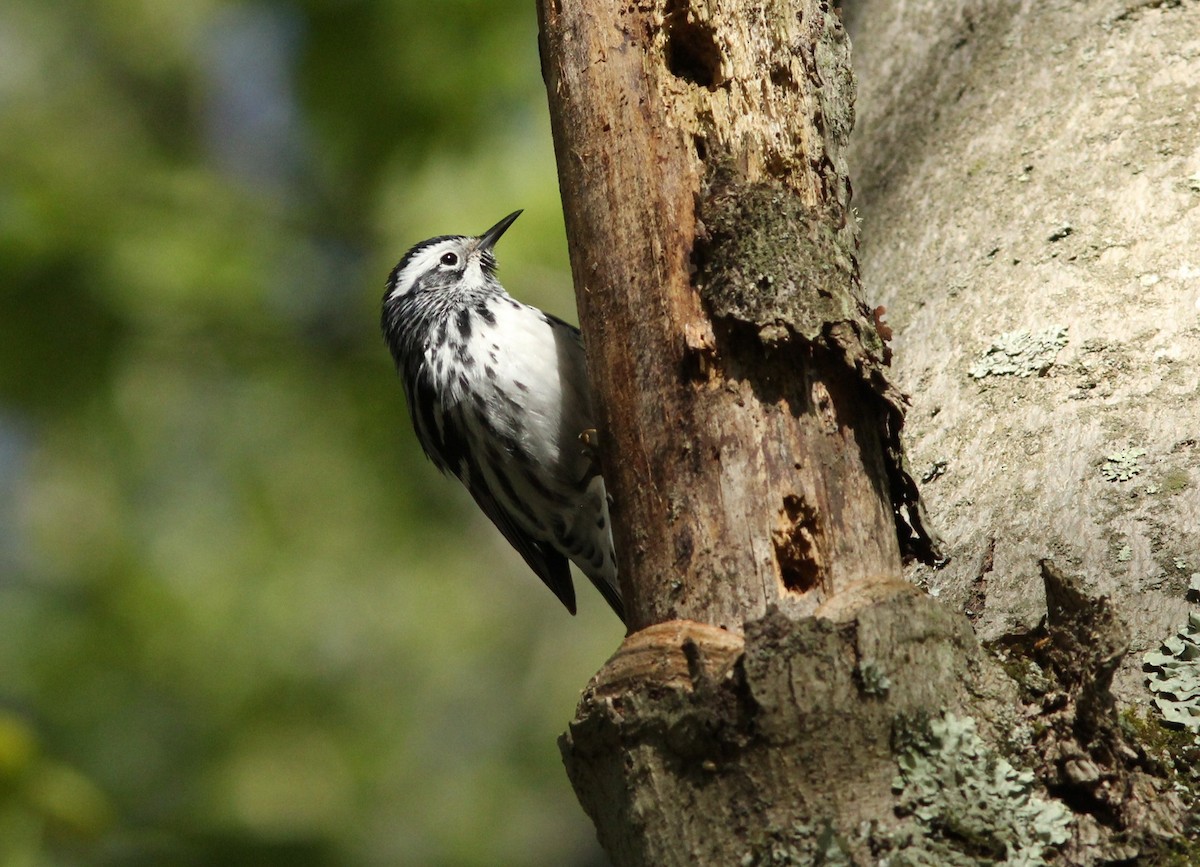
{"points": [[542, 489], [509, 444], [516, 502], [485, 313]]}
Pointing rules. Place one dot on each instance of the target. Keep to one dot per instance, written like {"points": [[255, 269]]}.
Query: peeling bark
{"points": [[784, 697], [713, 251]]}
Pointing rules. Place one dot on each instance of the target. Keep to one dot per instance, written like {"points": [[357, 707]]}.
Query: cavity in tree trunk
{"points": [[784, 693]]}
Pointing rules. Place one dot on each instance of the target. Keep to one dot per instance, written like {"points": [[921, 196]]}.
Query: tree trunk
{"points": [[1028, 170], [1029, 177], [746, 422], [783, 695]]}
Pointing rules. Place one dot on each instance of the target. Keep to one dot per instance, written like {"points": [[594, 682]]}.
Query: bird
{"points": [[499, 396]]}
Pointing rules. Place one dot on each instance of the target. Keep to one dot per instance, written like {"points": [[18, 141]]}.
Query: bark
{"points": [[1054, 183], [783, 698], [1022, 168], [690, 141]]}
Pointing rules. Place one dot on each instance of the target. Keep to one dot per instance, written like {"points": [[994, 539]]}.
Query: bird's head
{"points": [[448, 264]]}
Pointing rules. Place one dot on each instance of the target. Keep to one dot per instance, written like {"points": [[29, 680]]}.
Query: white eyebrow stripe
{"points": [[422, 262]]}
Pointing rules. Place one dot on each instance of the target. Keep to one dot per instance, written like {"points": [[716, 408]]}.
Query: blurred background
{"points": [[242, 619]]}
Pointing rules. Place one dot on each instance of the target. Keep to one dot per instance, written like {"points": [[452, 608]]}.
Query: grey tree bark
{"points": [[1033, 170], [783, 697]]}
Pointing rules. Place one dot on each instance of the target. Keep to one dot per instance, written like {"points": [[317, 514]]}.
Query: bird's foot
{"points": [[589, 442], [590, 439]]}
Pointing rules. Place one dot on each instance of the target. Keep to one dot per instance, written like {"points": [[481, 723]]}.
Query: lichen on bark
{"points": [[750, 736]]}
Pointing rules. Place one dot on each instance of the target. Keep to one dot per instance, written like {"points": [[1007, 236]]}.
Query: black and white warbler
{"points": [[499, 396]]}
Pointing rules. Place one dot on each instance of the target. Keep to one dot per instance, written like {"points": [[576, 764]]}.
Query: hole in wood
{"points": [[796, 553], [692, 51]]}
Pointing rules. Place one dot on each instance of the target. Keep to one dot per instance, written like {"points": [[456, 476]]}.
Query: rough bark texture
{"points": [[1028, 175], [885, 734], [1024, 168], [751, 446], [745, 415], [781, 754]]}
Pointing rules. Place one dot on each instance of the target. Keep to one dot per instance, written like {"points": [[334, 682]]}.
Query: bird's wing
{"points": [[550, 566], [567, 326], [441, 435], [441, 446]]}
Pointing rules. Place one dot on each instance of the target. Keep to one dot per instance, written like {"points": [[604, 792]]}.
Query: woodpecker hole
{"points": [[692, 51], [781, 76], [796, 553]]}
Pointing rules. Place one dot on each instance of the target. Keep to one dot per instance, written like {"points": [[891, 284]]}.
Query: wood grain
{"points": [[742, 402]]}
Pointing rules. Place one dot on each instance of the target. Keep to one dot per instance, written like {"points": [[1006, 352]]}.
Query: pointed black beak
{"points": [[489, 238]]}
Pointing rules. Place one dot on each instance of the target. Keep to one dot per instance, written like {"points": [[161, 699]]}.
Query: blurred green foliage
{"points": [[242, 620]]}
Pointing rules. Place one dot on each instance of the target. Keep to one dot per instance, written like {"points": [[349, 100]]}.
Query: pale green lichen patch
{"points": [[1175, 677], [872, 679], [802, 843], [1021, 353], [1176, 480], [975, 807], [1123, 465]]}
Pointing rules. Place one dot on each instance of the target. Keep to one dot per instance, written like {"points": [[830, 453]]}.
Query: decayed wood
{"points": [[749, 434], [750, 443], [745, 419]]}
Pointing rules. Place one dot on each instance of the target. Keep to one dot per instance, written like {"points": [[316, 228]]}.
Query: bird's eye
{"points": [[450, 259]]}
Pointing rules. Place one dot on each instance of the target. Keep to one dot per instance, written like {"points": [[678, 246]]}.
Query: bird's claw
{"points": [[589, 442], [590, 439]]}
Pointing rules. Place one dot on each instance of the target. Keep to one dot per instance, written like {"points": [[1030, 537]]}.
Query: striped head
{"points": [[433, 280]]}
